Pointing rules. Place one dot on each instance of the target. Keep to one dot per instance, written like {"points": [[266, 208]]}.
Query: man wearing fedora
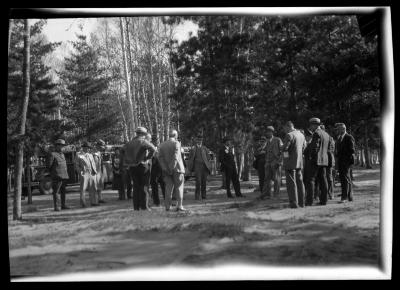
{"points": [[59, 175], [86, 166], [137, 152], [98, 160], [199, 162], [345, 157], [228, 166], [318, 161], [259, 161], [293, 147], [273, 164]]}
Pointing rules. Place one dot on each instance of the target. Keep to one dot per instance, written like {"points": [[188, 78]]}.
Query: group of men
{"points": [[308, 160], [89, 165]]}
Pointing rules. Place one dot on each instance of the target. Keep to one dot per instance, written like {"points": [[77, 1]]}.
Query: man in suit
{"points": [[86, 166], [136, 154], [199, 162], [126, 177], [345, 158], [58, 171], [259, 162], [98, 160], [273, 164], [228, 166], [173, 170], [318, 158], [293, 147]]}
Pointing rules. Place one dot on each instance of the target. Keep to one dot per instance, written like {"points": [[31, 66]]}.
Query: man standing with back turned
{"points": [[293, 148], [136, 153], [173, 170]]}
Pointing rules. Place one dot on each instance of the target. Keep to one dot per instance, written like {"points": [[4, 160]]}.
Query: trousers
{"points": [[174, 185], [272, 174], [58, 186], [295, 187], [345, 182], [200, 172], [232, 175], [140, 176], [317, 174], [88, 183]]}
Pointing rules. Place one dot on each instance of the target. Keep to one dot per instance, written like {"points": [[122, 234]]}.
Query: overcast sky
{"points": [[64, 29]]}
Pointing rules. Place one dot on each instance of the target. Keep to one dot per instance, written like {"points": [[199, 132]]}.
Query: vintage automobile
{"points": [[40, 176]]}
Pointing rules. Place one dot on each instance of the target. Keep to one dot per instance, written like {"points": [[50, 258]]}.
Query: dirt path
{"points": [[217, 232]]}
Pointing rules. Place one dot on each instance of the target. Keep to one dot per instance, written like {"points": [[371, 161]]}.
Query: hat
{"points": [[101, 142], [315, 121], [86, 144], [263, 138], [226, 139], [141, 130], [60, 142], [340, 125], [270, 128]]}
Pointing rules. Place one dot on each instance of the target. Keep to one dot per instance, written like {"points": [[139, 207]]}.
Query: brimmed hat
{"points": [[86, 144], [270, 128], [141, 130], [101, 142], [315, 121], [60, 142]]}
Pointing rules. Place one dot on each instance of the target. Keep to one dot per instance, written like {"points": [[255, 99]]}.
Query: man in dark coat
{"points": [[228, 165], [318, 158], [345, 158], [331, 166], [259, 161], [156, 175], [58, 171], [137, 152], [294, 144]]}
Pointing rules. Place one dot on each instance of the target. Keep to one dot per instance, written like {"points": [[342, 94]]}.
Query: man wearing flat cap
{"points": [[136, 154], [345, 157], [273, 164], [58, 171], [199, 162], [318, 162], [259, 160], [228, 166], [99, 148], [86, 167]]}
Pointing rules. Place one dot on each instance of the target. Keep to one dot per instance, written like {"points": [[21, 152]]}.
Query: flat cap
{"points": [[270, 128], [316, 121], [60, 142], [141, 130]]}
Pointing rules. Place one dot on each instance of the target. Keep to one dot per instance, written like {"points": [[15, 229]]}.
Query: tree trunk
{"points": [[19, 162], [246, 176], [161, 107], [10, 25], [131, 70], [128, 87], [28, 179], [362, 159], [146, 107]]}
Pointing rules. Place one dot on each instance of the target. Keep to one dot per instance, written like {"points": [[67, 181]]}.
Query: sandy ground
{"points": [[216, 232]]}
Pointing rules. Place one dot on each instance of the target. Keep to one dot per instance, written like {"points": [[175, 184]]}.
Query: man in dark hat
{"points": [[259, 160], [273, 164], [199, 162], [319, 160], [58, 171], [136, 154], [228, 165], [345, 150], [86, 167]]}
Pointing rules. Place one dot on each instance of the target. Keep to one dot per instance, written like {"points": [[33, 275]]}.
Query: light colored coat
{"points": [[293, 148], [83, 163], [170, 158]]}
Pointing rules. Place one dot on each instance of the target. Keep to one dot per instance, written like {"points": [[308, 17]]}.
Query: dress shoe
{"points": [[83, 205], [230, 196], [56, 209], [94, 204], [241, 195], [65, 207], [343, 201], [321, 203], [102, 201], [181, 209]]}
